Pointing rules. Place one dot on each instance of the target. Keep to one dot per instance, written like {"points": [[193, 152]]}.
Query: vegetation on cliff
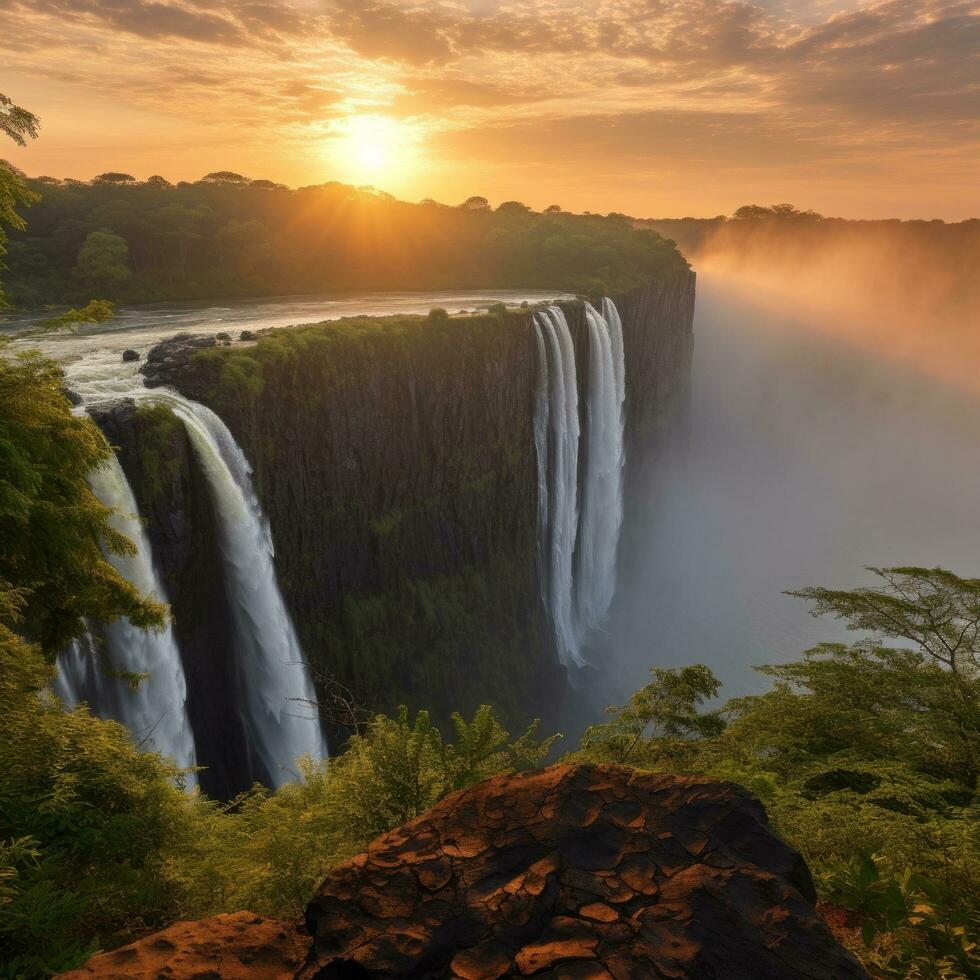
{"points": [[152, 241]]}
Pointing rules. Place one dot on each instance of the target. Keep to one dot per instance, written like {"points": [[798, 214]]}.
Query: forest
{"points": [[228, 236], [865, 755]]}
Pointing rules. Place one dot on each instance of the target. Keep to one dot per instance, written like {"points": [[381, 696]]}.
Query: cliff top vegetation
{"points": [[225, 235]]}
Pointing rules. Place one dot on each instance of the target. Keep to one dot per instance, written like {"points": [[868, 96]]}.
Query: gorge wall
{"points": [[395, 461]]}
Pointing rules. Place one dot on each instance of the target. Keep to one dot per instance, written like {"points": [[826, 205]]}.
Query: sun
{"points": [[370, 148]]}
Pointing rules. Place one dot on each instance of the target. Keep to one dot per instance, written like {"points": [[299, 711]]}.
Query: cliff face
{"points": [[395, 461]]}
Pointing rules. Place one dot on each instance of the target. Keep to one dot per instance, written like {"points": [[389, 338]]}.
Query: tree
{"points": [[225, 177], [52, 525], [666, 709], [86, 822], [157, 181], [245, 246], [118, 179], [933, 608], [513, 207], [17, 123], [475, 203], [103, 261], [20, 125], [552, 209]]}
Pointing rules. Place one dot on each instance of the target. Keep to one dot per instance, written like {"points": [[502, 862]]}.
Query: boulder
{"points": [[247, 335], [575, 872], [171, 357], [130, 355], [233, 946], [222, 336]]}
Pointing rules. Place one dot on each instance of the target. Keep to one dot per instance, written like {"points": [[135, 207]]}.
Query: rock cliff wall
{"points": [[395, 461]]}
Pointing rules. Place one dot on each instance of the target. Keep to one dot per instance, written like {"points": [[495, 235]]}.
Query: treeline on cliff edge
{"points": [[226, 235]]}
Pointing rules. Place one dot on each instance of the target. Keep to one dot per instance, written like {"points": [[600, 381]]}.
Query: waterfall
{"points": [[579, 590], [541, 422], [275, 685], [602, 495], [562, 506], [156, 712]]}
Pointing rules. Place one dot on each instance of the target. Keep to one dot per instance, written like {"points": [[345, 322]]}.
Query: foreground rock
{"points": [[577, 872], [231, 946]]}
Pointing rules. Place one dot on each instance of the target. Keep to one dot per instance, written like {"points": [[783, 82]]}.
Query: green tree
{"points": [[86, 821], [113, 177], [103, 261], [20, 125], [932, 608], [245, 247], [16, 122], [662, 713], [52, 526]]}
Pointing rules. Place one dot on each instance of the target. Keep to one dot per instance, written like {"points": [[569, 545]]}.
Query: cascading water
{"points": [[562, 506], [602, 495], [542, 416], [579, 594], [156, 712], [276, 688]]}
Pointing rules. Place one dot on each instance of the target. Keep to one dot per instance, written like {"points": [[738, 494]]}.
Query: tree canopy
{"points": [[229, 235], [20, 125]]}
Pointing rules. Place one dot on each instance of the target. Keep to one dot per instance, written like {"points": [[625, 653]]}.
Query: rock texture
{"points": [[577, 872], [233, 946]]}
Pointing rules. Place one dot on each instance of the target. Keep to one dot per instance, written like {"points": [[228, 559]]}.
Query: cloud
{"points": [[427, 95], [379, 29], [149, 19], [750, 87]]}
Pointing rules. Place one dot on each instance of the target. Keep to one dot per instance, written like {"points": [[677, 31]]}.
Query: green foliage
{"points": [[665, 710], [16, 122], [268, 851], [933, 608], [85, 821], [20, 125], [103, 261], [53, 527], [865, 757], [94, 311], [909, 929], [227, 235]]}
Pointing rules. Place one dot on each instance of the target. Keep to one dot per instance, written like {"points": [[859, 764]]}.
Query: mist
{"points": [[834, 424]]}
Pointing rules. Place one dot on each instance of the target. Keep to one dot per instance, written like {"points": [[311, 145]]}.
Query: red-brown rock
{"points": [[577, 872], [233, 946]]}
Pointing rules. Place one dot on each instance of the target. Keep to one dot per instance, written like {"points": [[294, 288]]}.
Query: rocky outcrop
{"points": [[234, 946], [575, 872], [571, 873]]}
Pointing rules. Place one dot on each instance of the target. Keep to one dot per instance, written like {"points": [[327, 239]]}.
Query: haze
{"points": [[835, 423]]}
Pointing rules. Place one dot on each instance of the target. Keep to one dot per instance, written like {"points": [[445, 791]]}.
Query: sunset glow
{"points": [[685, 108], [372, 149]]}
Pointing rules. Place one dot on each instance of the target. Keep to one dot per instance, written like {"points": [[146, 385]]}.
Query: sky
{"points": [[656, 108]]}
